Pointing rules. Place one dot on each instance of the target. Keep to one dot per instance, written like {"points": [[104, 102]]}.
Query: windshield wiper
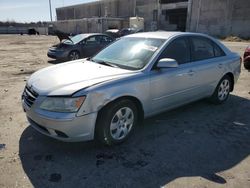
{"points": [[104, 63]]}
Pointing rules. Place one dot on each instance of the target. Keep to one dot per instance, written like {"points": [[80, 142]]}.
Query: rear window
{"points": [[203, 48], [218, 52]]}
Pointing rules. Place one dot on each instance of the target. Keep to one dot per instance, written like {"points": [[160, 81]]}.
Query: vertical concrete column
{"points": [[189, 13], [198, 16], [135, 13], [229, 14], [159, 8]]}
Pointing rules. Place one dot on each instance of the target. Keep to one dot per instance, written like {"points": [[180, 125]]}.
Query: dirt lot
{"points": [[198, 145]]}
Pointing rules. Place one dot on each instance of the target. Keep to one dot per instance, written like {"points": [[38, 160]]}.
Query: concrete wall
{"points": [[13, 30], [145, 9], [23, 30], [240, 22], [107, 8], [221, 17], [90, 25], [214, 17]]}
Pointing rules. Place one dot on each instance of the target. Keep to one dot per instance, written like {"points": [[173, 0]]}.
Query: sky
{"points": [[32, 10]]}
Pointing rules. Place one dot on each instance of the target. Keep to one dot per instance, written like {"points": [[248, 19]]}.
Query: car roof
{"points": [[165, 34], [85, 35], [155, 34]]}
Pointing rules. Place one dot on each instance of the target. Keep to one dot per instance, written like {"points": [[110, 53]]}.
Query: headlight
{"points": [[62, 104]]}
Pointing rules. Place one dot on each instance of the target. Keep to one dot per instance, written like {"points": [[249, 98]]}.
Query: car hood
{"points": [[67, 78], [60, 46], [61, 35]]}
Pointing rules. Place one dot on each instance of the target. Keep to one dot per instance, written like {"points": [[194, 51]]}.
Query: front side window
{"points": [[178, 50], [129, 52]]}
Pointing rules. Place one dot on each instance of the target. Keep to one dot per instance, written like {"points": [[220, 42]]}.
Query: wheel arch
{"points": [[232, 79], [135, 100], [74, 50]]}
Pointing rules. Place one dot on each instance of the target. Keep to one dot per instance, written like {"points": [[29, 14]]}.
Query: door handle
{"points": [[220, 65], [189, 73]]}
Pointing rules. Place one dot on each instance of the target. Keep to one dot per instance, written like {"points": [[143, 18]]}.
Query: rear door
{"points": [[208, 60]]}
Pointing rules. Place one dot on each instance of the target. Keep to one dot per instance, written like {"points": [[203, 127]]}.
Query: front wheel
{"points": [[73, 55], [222, 90], [116, 122]]}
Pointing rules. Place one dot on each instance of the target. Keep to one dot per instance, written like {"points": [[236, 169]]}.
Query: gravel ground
{"points": [[198, 145]]}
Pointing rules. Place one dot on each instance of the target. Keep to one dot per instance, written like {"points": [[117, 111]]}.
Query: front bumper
{"points": [[68, 127], [56, 54]]}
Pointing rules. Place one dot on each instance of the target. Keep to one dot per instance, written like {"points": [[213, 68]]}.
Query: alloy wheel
{"points": [[223, 90], [74, 55], [121, 123]]}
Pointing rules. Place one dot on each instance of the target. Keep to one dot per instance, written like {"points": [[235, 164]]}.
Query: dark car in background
{"points": [[113, 33], [116, 33], [128, 31], [246, 58], [79, 46]]}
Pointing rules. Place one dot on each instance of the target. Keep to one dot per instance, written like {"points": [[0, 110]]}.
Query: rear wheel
{"points": [[247, 65], [74, 55], [116, 122], [222, 90]]}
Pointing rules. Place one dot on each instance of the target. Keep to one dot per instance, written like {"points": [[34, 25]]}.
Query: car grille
{"points": [[29, 96]]}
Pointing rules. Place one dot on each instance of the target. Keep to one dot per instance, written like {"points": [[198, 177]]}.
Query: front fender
{"points": [[98, 98]]}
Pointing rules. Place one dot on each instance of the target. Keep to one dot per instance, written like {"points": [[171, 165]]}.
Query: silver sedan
{"points": [[138, 76]]}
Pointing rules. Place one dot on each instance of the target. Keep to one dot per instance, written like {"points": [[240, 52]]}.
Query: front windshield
{"points": [[129, 52], [75, 39]]}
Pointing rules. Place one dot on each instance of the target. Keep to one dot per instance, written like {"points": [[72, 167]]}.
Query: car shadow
{"points": [[199, 139], [56, 61]]}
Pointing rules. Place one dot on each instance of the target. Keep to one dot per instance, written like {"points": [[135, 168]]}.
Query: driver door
{"points": [[172, 87]]}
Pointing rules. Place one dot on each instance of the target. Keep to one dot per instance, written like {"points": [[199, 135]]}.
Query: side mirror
{"points": [[83, 42], [167, 63]]}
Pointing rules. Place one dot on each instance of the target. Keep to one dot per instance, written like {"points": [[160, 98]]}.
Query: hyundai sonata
{"points": [[139, 75]]}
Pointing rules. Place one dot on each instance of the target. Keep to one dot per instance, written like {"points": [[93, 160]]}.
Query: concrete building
{"points": [[90, 25], [220, 17], [104, 8], [215, 17]]}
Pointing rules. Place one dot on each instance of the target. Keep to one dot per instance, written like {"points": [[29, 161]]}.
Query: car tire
{"points": [[247, 65], [116, 122], [73, 55], [222, 90]]}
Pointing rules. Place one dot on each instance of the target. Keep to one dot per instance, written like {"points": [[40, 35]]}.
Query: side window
{"points": [[105, 39], [218, 52], [202, 49], [91, 40], [178, 50]]}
